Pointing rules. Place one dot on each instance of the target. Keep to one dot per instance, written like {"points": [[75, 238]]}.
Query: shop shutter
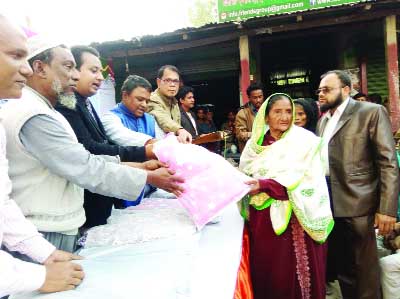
{"points": [[376, 70]]}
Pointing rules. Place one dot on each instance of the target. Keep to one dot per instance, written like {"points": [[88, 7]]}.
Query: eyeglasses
{"points": [[326, 90], [171, 81]]}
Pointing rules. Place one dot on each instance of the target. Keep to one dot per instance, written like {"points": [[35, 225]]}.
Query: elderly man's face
{"points": [[14, 68], [62, 72]]}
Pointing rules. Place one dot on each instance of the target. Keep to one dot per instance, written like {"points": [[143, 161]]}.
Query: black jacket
{"points": [[92, 135], [186, 122]]}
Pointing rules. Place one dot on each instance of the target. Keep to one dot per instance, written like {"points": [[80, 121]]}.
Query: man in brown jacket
{"points": [[164, 106], [361, 167], [245, 116]]}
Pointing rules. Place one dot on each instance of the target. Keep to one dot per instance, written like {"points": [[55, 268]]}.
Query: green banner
{"points": [[236, 10]]}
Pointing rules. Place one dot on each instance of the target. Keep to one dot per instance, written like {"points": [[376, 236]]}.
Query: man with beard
{"points": [[245, 116], [16, 233], [90, 131], [48, 166], [164, 106], [363, 176]]}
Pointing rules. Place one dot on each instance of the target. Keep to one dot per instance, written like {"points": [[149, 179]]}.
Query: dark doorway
{"points": [[221, 92], [293, 65]]}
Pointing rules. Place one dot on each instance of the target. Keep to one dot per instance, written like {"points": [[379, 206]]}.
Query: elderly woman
{"points": [[287, 209]]}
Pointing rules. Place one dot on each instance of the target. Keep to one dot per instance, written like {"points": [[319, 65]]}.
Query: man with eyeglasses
{"points": [[363, 177], [90, 132], [164, 106]]}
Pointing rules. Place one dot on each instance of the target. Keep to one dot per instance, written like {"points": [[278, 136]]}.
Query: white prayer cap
{"points": [[38, 43]]}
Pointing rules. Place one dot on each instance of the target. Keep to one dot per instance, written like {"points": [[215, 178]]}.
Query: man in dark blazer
{"points": [[186, 100], [363, 175], [90, 131]]}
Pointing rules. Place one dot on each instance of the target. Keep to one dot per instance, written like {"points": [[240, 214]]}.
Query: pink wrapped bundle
{"points": [[211, 182]]}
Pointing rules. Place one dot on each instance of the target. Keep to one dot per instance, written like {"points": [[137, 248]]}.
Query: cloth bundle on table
{"points": [[160, 269], [285, 261], [152, 220], [195, 266], [211, 182]]}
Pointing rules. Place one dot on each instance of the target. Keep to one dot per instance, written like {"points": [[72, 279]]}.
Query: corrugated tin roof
{"points": [[199, 32]]}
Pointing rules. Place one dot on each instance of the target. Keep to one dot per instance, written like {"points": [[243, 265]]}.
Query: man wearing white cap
{"points": [[16, 233], [49, 167]]}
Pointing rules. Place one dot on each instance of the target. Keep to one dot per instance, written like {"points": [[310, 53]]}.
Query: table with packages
{"points": [[190, 264]]}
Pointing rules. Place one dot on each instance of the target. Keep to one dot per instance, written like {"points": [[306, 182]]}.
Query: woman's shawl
{"points": [[294, 161]]}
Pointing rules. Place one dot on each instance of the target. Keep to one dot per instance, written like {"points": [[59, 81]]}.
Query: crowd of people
{"points": [[324, 174]]}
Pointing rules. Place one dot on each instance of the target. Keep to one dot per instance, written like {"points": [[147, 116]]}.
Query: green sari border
{"points": [[288, 216]]}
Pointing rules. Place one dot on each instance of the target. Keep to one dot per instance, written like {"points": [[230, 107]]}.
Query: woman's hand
{"points": [[254, 185]]}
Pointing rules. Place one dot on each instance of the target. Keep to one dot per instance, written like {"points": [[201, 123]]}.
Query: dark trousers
{"points": [[352, 256], [353, 259]]}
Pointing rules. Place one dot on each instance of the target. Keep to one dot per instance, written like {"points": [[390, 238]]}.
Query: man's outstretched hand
{"points": [[166, 179]]}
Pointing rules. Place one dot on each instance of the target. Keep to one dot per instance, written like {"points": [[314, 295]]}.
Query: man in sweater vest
{"points": [[128, 123], [16, 233], [49, 168]]}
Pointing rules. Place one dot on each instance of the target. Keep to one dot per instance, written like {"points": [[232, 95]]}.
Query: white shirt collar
{"points": [[339, 110]]}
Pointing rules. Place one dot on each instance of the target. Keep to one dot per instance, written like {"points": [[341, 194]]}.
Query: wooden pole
{"points": [[392, 70], [244, 66], [363, 75]]}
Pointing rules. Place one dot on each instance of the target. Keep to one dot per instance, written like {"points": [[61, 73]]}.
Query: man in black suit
{"points": [[90, 131], [186, 103]]}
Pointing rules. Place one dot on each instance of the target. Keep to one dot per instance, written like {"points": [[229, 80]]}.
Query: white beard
{"points": [[67, 100]]}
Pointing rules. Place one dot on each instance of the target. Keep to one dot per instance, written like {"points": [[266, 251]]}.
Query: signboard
{"points": [[234, 10]]}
